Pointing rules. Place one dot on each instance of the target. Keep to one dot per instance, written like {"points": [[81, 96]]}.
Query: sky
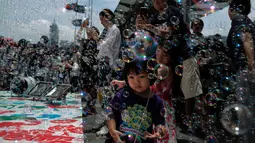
{"points": [[30, 19], [220, 23]]}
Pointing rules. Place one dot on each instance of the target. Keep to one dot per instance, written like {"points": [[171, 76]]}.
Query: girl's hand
{"points": [[160, 133], [120, 84], [150, 136], [95, 36], [116, 136]]}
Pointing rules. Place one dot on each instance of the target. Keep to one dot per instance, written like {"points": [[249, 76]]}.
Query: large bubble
{"points": [[131, 138], [152, 63], [211, 99], [211, 139], [127, 33], [118, 65], [128, 55], [161, 71], [227, 84], [237, 119], [179, 70], [145, 46]]}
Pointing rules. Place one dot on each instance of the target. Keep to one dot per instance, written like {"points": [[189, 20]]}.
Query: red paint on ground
{"points": [[45, 136], [62, 106], [6, 111], [18, 124], [70, 128], [63, 121], [17, 98]]}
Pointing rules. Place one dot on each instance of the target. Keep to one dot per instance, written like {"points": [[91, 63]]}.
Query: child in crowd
{"points": [[135, 109], [164, 89]]}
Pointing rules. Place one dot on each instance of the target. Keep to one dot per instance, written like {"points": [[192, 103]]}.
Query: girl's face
{"points": [[162, 56], [92, 34], [159, 4], [139, 82]]}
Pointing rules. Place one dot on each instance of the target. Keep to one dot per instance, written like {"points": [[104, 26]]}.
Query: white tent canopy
{"points": [[220, 23]]}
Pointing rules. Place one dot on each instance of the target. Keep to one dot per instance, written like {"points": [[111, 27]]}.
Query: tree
{"points": [[54, 34]]}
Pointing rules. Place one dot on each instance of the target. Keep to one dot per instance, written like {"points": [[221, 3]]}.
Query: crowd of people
{"points": [[168, 78]]}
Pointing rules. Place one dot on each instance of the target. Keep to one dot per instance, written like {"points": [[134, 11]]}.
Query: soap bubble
{"points": [[187, 121], [151, 76], [179, 70], [175, 20], [131, 138], [161, 71], [237, 119], [118, 65], [242, 94], [128, 55], [227, 84], [211, 139], [152, 63], [127, 33], [145, 46], [211, 99], [168, 44], [126, 94]]}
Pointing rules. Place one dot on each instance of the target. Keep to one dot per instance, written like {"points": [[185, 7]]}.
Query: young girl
{"points": [[165, 90], [88, 61], [135, 109]]}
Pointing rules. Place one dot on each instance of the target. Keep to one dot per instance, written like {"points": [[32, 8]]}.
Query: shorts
{"points": [[190, 84]]}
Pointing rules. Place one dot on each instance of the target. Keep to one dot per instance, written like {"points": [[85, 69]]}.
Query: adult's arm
{"points": [[248, 49]]}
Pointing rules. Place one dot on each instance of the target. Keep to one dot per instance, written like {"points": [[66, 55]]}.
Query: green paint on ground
{"points": [[15, 117], [34, 107], [7, 106]]}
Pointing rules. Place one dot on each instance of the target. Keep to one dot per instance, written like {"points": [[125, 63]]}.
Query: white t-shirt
{"points": [[110, 45]]}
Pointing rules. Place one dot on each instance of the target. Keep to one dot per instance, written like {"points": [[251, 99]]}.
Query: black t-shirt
{"points": [[240, 24], [173, 18], [128, 111]]}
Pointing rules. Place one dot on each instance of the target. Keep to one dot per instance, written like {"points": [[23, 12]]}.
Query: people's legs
{"points": [[74, 83]]}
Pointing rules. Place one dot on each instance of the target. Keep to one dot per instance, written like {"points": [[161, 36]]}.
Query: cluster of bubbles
{"points": [[141, 46], [223, 88], [43, 61]]}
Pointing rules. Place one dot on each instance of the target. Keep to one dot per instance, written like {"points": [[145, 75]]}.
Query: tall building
{"points": [[54, 34]]}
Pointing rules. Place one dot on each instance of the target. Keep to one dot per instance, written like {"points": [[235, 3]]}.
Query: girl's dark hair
{"points": [[175, 61], [137, 67], [173, 3], [96, 30], [197, 21], [241, 6]]}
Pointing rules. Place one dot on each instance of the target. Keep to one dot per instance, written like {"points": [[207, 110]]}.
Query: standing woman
{"points": [[168, 89], [88, 72], [240, 40]]}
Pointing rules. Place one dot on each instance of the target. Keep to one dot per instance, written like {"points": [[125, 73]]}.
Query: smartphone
{"points": [[143, 11]]}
